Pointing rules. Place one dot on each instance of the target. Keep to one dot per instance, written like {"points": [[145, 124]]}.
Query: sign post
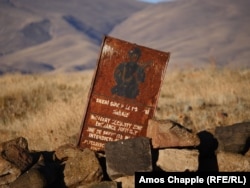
{"points": [[124, 93]]}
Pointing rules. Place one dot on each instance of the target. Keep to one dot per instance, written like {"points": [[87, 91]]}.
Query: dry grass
{"points": [[48, 109], [204, 99]]}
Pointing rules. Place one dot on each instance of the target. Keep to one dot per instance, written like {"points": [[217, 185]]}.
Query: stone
{"points": [[8, 172], [103, 184], [69, 166], [126, 181], [167, 133], [125, 157], [30, 179], [19, 141], [233, 138], [40, 175], [232, 162], [17, 152], [14, 159], [18, 156], [178, 160], [80, 166]]}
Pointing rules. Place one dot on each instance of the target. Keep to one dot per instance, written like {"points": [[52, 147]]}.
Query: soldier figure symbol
{"points": [[128, 76]]}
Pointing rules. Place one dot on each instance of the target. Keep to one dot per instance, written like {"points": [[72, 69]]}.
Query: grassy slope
{"points": [[48, 109]]}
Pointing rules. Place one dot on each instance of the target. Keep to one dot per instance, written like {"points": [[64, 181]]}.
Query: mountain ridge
{"points": [[65, 36], [25, 48], [194, 31]]}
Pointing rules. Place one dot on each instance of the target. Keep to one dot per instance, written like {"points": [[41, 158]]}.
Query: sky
{"points": [[154, 1]]}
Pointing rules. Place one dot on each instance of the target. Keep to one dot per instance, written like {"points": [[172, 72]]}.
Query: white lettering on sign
{"points": [[94, 143], [109, 126], [118, 105], [133, 132], [115, 104], [119, 137], [131, 108], [107, 129], [100, 118], [102, 101], [91, 129], [121, 124], [127, 130], [122, 129], [99, 124], [108, 133], [137, 127], [120, 113], [100, 137], [98, 131]]}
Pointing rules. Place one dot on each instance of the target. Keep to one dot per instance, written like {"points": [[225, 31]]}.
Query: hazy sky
{"points": [[154, 1]]}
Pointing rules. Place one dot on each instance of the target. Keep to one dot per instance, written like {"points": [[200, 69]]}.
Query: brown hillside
{"points": [[196, 32], [59, 35], [65, 36]]}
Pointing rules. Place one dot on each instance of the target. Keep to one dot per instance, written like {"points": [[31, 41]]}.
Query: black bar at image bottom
{"points": [[192, 179]]}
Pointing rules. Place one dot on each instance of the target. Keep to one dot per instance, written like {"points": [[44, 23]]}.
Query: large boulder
{"points": [[80, 166], [42, 174], [178, 160], [167, 133], [8, 172], [15, 158], [125, 157], [234, 138], [233, 162]]}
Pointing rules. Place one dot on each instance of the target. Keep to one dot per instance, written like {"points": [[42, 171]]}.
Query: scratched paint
{"points": [[124, 93]]}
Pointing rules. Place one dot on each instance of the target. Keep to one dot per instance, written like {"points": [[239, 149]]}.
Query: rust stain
{"points": [[124, 93]]}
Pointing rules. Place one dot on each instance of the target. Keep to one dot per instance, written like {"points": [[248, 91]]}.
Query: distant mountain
{"points": [[58, 35], [65, 35], [196, 32]]}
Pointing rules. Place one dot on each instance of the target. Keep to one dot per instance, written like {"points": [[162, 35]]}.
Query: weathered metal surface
{"points": [[124, 93]]}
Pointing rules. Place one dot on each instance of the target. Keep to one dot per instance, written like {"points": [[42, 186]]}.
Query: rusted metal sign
{"points": [[124, 93]]}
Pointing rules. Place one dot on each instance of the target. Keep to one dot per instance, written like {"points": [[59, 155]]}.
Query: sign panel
{"points": [[124, 93]]}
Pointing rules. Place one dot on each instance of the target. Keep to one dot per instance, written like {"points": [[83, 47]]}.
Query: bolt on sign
{"points": [[123, 94]]}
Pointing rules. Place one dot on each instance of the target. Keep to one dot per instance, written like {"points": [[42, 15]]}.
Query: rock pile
{"points": [[168, 146]]}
